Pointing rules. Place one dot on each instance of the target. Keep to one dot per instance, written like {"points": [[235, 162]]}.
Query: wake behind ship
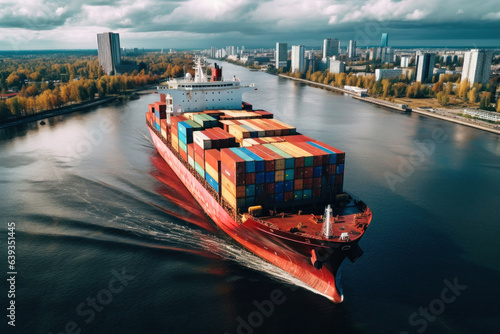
{"points": [[276, 192]]}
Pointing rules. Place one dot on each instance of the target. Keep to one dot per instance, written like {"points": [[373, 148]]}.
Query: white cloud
{"points": [[492, 16]]}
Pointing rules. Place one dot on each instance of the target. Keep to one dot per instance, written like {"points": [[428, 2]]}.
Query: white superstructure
{"points": [[198, 93]]}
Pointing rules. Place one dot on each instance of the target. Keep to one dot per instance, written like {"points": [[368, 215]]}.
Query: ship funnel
{"points": [[327, 222], [216, 73]]}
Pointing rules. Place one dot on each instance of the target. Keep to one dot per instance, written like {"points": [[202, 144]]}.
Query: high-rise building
{"points": [[330, 47], [213, 51], [298, 58], [108, 51], [351, 52], [281, 55], [337, 66], [386, 55], [477, 66], [384, 41], [425, 66], [405, 61]]}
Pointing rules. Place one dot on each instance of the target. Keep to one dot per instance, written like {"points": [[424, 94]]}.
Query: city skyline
{"points": [[200, 24]]}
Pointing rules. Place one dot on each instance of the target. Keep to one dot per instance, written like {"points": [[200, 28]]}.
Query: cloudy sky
{"points": [[72, 24]]}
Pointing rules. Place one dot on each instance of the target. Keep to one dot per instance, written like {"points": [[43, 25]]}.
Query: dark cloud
{"points": [[266, 21]]}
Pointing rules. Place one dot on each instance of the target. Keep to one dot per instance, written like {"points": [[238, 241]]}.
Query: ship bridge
{"points": [[198, 93]]}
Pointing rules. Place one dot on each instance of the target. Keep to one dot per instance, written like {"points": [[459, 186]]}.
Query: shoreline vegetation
{"points": [[51, 84]]}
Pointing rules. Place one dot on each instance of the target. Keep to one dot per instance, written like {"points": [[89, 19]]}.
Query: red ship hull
{"points": [[292, 255]]}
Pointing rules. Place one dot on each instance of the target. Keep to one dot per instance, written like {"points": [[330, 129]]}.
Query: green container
{"points": [[199, 169]]}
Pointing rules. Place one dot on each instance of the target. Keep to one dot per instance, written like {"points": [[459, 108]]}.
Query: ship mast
{"points": [[199, 75]]}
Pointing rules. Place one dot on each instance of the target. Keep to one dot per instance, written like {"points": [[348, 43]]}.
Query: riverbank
{"points": [[57, 111], [337, 89], [459, 120], [447, 116]]}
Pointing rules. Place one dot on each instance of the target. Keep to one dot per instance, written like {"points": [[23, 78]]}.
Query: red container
{"points": [[307, 184], [232, 161], [298, 184], [198, 158], [299, 173], [151, 108], [183, 155], [250, 178], [264, 114], [316, 193], [212, 157], [339, 179], [297, 139], [332, 169], [269, 188], [162, 109], [288, 196], [269, 161], [272, 164], [317, 182], [308, 172], [237, 179], [190, 148]]}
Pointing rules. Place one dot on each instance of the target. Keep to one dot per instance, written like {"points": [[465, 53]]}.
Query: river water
{"points": [[108, 241]]}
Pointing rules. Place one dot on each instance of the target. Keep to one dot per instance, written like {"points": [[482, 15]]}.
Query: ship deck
{"points": [[309, 222]]}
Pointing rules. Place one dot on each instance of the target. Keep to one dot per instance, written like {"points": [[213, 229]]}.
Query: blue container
{"points": [[157, 126], [182, 138], [259, 162], [332, 179], [289, 174], [290, 163], [157, 114], [212, 182], [250, 201], [297, 195], [250, 163], [250, 190], [333, 155], [279, 197], [307, 193], [340, 169], [260, 177], [269, 177], [185, 129], [259, 190], [317, 171], [278, 187], [288, 185]]}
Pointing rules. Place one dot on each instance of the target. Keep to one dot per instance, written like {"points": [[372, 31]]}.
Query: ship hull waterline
{"points": [[322, 280]]}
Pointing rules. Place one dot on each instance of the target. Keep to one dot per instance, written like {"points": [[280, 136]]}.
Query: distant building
{"points": [[281, 55], [477, 66], [384, 41], [425, 66], [337, 66], [387, 73], [386, 55], [213, 51], [405, 61], [351, 51], [330, 47], [108, 51], [298, 58]]}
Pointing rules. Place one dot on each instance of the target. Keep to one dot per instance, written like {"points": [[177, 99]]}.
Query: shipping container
{"points": [[250, 163], [289, 160], [212, 182]]}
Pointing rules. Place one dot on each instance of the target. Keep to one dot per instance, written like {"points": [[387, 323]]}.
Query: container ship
{"points": [[275, 191]]}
